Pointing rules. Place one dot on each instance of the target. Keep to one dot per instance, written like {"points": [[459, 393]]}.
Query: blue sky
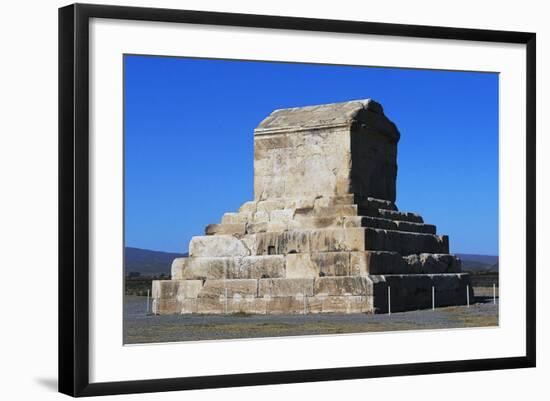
{"points": [[189, 141]]}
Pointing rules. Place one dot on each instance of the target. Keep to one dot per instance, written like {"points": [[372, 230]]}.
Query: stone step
{"points": [[220, 268], [306, 241], [346, 294], [388, 224], [405, 243], [380, 262], [315, 222], [318, 240], [391, 215], [312, 265], [414, 291]]}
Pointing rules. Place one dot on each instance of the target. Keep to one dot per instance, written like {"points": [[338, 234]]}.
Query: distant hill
{"points": [[478, 263], [148, 262]]}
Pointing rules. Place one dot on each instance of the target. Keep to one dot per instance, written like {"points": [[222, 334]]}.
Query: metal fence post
{"points": [[389, 300]]}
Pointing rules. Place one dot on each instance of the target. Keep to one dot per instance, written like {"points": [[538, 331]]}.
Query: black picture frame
{"points": [[74, 198]]}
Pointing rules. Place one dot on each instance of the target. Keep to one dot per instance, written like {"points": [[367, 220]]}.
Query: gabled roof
{"points": [[331, 115]]}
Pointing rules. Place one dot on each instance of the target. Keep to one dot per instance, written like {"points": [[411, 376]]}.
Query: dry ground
{"points": [[141, 328]]}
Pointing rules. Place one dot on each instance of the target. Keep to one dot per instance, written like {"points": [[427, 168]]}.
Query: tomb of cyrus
{"points": [[323, 233]]}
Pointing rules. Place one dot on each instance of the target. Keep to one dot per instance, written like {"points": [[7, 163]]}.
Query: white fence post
{"points": [[494, 294], [468, 295], [305, 305], [389, 300], [225, 300], [147, 301], [433, 297]]}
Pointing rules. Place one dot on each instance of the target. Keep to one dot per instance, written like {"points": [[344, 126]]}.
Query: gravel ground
{"points": [[140, 328]]}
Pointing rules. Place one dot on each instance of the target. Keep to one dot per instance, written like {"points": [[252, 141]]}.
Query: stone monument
{"points": [[323, 233]]}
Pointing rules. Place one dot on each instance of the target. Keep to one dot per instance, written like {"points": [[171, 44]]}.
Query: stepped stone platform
{"points": [[323, 233]]}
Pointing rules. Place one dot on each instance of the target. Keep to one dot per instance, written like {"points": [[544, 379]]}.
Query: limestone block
{"points": [[346, 304], [176, 289], [236, 218], [217, 245], [261, 227], [433, 263], [377, 262], [260, 217], [248, 304], [277, 226], [164, 289], [188, 306], [415, 227], [402, 216], [346, 199], [268, 206], [232, 229], [285, 287], [346, 285], [318, 264], [212, 305], [358, 265], [219, 288], [165, 306], [404, 242], [375, 203], [203, 268], [332, 263], [300, 265], [283, 215], [387, 224], [286, 305], [332, 240], [255, 267], [248, 207], [275, 243], [188, 289], [336, 210], [177, 268], [301, 203]]}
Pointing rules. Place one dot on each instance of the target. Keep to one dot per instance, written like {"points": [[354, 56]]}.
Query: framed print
{"points": [[278, 199]]}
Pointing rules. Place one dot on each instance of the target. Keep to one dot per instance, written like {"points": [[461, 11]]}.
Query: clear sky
{"points": [[189, 141]]}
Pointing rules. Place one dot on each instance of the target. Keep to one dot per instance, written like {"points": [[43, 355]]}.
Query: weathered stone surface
{"points": [[217, 245], [166, 306], [405, 243], [229, 288], [176, 270], [283, 287], [414, 291], [387, 224], [286, 305], [433, 263], [340, 304], [269, 266], [347, 285], [202, 268], [300, 265], [236, 218], [334, 240], [232, 229], [318, 264], [401, 216], [379, 262]]}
